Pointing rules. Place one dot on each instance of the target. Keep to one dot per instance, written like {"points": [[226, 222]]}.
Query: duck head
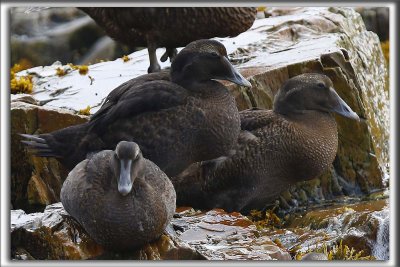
{"points": [[127, 165], [310, 91], [204, 60]]}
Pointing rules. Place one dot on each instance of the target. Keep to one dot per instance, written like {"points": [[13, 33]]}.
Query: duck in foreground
{"points": [[120, 198], [170, 27], [296, 141], [176, 118]]}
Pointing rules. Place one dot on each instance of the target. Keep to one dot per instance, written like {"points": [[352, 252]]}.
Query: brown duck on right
{"points": [[296, 141]]}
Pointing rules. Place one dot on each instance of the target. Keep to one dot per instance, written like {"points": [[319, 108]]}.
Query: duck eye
{"points": [[139, 155], [214, 54], [321, 85]]}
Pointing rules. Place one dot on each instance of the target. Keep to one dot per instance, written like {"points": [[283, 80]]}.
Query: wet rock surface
{"points": [[362, 226], [218, 235], [213, 235], [49, 235]]}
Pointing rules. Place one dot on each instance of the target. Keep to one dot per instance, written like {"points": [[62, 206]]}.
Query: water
{"points": [[380, 247]]}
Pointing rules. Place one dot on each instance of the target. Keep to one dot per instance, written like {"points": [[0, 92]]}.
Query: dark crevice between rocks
{"points": [[348, 188], [341, 60]]}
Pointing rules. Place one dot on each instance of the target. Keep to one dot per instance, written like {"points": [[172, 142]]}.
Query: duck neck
{"points": [[315, 134], [286, 109], [185, 79], [189, 79], [307, 116], [138, 166]]}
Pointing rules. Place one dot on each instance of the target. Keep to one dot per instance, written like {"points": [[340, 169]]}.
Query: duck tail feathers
{"points": [[38, 146]]}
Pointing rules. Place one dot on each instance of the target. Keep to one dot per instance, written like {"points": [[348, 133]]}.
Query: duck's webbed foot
{"points": [[169, 53]]}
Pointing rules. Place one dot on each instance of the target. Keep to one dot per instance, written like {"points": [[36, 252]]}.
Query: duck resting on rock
{"points": [[177, 117], [296, 141], [170, 27], [120, 198]]}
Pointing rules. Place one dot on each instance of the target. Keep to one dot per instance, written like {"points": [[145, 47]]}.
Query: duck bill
{"points": [[343, 109], [125, 181], [233, 75]]}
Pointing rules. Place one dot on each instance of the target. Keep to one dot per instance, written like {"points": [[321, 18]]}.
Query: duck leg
{"points": [[169, 53], [152, 47]]}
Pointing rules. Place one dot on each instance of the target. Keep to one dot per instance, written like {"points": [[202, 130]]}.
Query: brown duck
{"points": [[170, 27], [120, 198], [296, 141], [176, 118]]}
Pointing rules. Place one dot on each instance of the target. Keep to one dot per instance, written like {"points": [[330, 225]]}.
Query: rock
{"points": [[215, 235], [22, 254], [290, 41], [362, 226], [260, 15], [314, 256], [103, 48], [218, 235], [55, 33], [43, 35], [50, 235], [30, 21], [26, 98], [165, 248], [376, 19], [36, 182]]}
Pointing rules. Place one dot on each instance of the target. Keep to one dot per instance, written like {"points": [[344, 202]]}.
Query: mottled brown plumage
{"points": [[170, 27], [176, 120], [295, 141], [116, 217]]}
